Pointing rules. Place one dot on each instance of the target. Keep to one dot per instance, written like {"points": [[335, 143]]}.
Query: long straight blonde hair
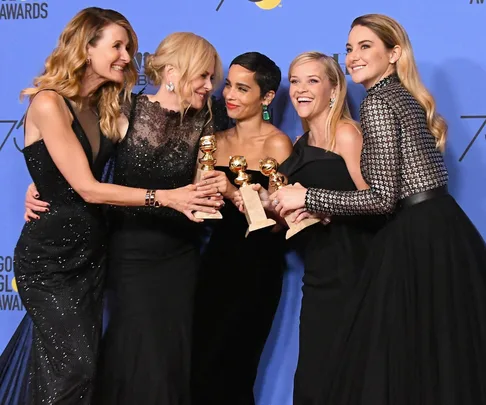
{"points": [[66, 65], [339, 112], [393, 34]]}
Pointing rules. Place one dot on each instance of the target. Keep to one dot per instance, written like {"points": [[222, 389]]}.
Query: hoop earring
{"points": [[170, 87], [265, 113], [331, 102]]}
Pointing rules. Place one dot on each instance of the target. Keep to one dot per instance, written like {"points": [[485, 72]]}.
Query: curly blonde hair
{"points": [[65, 66]]}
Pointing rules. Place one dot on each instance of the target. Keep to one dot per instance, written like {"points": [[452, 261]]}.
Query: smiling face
{"points": [[310, 89], [109, 56], [368, 60], [242, 94], [195, 92], [201, 87]]}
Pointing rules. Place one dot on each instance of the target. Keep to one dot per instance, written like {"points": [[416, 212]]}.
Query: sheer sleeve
{"points": [[380, 164], [126, 105]]}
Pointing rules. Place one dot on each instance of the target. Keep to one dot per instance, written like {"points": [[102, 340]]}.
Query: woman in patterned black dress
{"points": [[415, 330]]}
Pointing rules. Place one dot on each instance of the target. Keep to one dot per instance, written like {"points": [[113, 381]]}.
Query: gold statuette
{"points": [[278, 180], [207, 145], [254, 212]]}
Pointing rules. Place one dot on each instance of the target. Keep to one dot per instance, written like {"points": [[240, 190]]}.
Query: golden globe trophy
{"points": [[207, 145], [268, 167], [254, 212]]}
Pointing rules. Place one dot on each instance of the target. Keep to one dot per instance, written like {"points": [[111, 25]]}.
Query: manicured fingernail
{"points": [[36, 195]]}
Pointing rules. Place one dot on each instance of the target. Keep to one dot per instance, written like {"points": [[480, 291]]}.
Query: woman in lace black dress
{"points": [[415, 330], [70, 129], [326, 156], [240, 280], [154, 256]]}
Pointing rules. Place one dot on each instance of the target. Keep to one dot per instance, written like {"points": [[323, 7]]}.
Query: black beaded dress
{"points": [[60, 269], [415, 329], [153, 261]]}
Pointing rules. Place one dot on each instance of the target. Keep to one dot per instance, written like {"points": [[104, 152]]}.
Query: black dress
{"points": [[415, 330], [333, 257], [153, 261], [237, 295], [59, 268]]}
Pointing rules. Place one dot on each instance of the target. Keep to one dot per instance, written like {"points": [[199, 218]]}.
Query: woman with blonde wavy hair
{"points": [[327, 156], [154, 255], [414, 331], [70, 130]]}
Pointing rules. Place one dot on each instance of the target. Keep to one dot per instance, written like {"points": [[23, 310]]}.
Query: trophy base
{"points": [[259, 225], [294, 229], [207, 215]]}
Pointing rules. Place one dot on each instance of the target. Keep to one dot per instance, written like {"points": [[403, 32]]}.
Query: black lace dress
{"points": [[60, 269], [153, 261], [415, 330]]}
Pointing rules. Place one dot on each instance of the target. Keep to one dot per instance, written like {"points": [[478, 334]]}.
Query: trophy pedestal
{"points": [[205, 215], [254, 212], [294, 229], [199, 174]]}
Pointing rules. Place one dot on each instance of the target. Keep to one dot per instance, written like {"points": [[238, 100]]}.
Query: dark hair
{"points": [[267, 73]]}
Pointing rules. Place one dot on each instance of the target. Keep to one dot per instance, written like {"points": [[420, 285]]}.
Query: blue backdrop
{"points": [[449, 50]]}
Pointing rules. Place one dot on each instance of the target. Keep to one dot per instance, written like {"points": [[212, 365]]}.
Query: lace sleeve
{"points": [[380, 164]]}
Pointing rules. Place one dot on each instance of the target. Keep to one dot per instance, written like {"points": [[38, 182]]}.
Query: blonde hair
{"points": [[191, 55], [392, 34], [339, 112], [65, 66]]}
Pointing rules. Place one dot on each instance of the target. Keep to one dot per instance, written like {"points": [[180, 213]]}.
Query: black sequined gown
{"points": [[415, 330], [153, 261], [59, 268], [237, 295]]}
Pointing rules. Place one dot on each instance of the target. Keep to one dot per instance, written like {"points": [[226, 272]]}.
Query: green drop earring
{"points": [[266, 113]]}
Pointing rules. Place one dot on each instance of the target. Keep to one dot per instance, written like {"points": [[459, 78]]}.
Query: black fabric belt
{"points": [[423, 196]]}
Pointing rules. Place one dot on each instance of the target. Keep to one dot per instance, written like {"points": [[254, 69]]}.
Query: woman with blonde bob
{"points": [[154, 255], [327, 155], [415, 329], [70, 130]]}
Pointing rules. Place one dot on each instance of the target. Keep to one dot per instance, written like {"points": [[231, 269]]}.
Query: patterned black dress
{"points": [[415, 330]]}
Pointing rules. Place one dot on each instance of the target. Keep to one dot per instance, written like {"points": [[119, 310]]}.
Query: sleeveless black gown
{"points": [[237, 295], [59, 268], [333, 256]]}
